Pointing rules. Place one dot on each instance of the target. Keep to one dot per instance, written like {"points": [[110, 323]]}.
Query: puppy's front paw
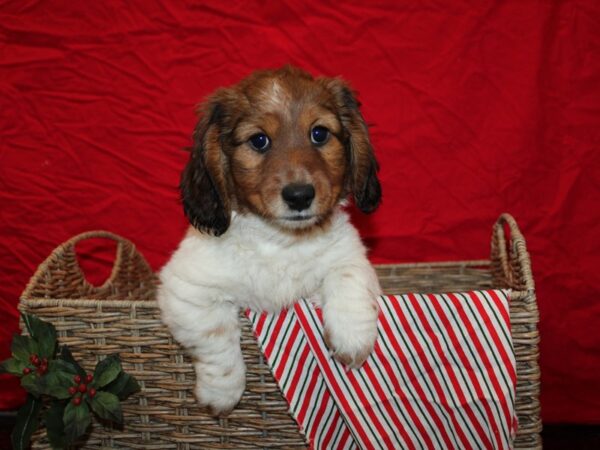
{"points": [[218, 388], [350, 332]]}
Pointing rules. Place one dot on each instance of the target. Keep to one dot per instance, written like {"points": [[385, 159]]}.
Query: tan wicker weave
{"points": [[122, 317]]}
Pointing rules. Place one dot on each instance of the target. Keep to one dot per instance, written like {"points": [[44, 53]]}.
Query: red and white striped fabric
{"points": [[442, 374]]}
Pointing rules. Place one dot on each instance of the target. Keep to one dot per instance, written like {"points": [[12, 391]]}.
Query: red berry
{"points": [[44, 361], [42, 368], [88, 378], [82, 387], [72, 390], [92, 392], [35, 360], [77, 401], [77, 379], [26, 371]]}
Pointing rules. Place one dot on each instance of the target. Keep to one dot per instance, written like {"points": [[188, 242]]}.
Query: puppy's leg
{"points": [[211, 334], [350, 312], [219, 364]]}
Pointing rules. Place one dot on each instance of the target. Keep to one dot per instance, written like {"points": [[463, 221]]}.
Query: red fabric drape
{"points": [[475, 108]]}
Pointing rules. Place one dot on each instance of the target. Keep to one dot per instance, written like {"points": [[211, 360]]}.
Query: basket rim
{"points": [[476, 263], [481, 264]]}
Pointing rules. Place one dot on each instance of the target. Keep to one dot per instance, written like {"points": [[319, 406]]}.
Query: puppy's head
{"points": [[282, 145]]}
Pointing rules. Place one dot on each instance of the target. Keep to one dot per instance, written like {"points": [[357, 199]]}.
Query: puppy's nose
{"points": [[298, 196]]}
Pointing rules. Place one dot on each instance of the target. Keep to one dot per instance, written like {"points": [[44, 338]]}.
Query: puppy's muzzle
{"points": [[298, 197]]}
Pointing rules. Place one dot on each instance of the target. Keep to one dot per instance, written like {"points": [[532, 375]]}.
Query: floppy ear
{"points": [[363, 181], [204, 181]]}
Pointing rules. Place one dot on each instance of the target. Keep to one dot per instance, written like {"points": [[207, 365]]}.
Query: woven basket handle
{"points": [[510, 259], [131, 274]]}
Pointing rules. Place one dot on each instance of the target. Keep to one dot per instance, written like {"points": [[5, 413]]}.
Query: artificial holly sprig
{"points": [[57, 377]]}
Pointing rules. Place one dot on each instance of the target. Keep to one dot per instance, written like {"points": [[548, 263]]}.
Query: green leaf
{"points": [[55, 425], [29, 320], [63, 366], [43, 332], [27, 422], [107, 370], [123, 386], [32, 384], [107, 406], [66, 355], [76, 419], [58, 379], [22, 347], [13, 366]]}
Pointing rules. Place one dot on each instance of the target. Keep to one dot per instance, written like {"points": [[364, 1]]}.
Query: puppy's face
{"points": [[283, 146], [287, 160]]}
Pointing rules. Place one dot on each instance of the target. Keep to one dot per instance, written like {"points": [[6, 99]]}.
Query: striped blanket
{"points": [[442, 374]]}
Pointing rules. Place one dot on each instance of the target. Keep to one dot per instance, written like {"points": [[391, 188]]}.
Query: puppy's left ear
{"points": [[363, 181]]}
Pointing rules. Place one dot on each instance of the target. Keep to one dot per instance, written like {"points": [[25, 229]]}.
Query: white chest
{"points": [[253, 266]]}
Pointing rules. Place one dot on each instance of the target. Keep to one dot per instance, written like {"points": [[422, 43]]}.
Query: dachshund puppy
{"points": [[274, 159]]}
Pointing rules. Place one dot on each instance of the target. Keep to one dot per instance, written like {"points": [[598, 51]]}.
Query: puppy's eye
{"points": [[260, 142], [319, 135]]}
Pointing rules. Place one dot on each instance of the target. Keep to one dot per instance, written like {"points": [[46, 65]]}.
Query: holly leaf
{"points": [[32, 384], [107, 370], [31, 322], [42, 332], [23, 347], [123, 386], [27, 423], [59, 378], [13, 366], [107, 406], [76, 419], [64, 366], [55, 425], [66, 355]]}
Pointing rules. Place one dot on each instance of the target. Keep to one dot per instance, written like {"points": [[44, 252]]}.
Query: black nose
{"points": [[298, 196]]}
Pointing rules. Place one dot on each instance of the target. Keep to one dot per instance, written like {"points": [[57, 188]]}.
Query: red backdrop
{"points": [[475, 108]]}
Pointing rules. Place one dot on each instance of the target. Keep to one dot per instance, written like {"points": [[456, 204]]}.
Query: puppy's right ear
{"points": [[204, 181]]}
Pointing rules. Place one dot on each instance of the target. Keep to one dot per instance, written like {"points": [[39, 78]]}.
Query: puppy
{"points": [[273, 161]]}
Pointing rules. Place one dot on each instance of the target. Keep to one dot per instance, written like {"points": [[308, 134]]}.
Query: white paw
{"points": [[351, 331], [220, 388]]}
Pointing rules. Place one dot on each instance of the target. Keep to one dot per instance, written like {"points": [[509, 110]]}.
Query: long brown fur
{"points": [[225, 174]]}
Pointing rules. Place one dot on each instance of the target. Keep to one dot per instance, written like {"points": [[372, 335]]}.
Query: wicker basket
{"points": [[122, 317]]}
